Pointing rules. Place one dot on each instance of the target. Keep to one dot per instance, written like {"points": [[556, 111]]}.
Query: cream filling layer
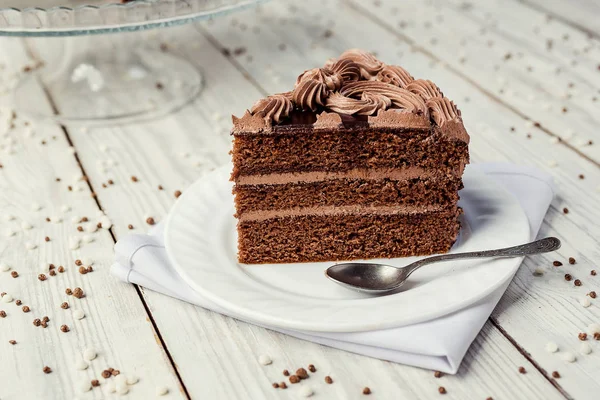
{"points": [[358, 173], [263, 215]]}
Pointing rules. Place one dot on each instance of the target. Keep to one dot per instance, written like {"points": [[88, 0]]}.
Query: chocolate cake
{"points": [[360, 160]]}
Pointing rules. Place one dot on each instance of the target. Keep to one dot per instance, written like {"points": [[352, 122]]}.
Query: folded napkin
{"points": [[438, 344]]}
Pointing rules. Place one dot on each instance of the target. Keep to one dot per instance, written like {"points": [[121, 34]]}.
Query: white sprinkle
{"points": [[111, 163], [120, 380], [9, 217], [551, 347], [306, 391], [585, 301], [87, 261], [77, 177], [91, 228], [78, 188], [71, 150], [55, 219], [81, 365], [89, 354], [122, 388], [7, 298], [75, 219], [106, 222], [593, 328], [30, 246], [84, 129], [264, 359], [554, 140], [4, 267], [132, 379], [26, 225], [78, 314], [547, 106], [87, 239], [568, 356], [217, 116], [10, 232], [110, 387], [539, 271], [103, 148], [529, 124], [185, 155], [552, 163], [74, 243], [569, 134], [85, 386], [161, 390], [581, 143], [36, 207], [585, 348], [65, 208]]}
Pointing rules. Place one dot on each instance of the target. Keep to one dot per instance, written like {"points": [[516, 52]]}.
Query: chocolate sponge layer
{"points": [[345, 150], [342, 192], [346, 237]]}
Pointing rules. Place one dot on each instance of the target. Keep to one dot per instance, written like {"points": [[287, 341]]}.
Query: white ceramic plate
{"points": [[201, 240]]}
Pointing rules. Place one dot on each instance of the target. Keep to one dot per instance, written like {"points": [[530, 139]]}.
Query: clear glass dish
{"points": [[91, 86]]}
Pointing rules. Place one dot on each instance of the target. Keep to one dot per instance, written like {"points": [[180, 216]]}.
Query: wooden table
{"points": [[526, 75]]}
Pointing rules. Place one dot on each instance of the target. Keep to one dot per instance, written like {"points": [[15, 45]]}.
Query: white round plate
{"points": [[201, 242]]}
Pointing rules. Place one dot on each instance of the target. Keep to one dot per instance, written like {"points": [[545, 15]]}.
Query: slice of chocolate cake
{"points": [[358, 161]]}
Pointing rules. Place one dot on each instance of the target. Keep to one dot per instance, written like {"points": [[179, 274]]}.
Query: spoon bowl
{"points": [[381, 278]]}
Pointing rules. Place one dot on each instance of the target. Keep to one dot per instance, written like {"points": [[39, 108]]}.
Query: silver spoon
{"points": [[381, 278]]}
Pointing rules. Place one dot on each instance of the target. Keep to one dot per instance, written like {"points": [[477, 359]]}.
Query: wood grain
{"points": [[115, 324], [216, 356]]}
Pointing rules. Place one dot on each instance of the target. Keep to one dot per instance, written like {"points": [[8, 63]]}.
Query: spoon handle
{"points": [[539, 246]]}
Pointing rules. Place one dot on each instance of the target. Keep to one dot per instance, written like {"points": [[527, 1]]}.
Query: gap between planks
{"points": [[376, 20], [138, 290]]}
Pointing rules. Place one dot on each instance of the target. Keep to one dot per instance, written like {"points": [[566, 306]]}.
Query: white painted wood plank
{"points": [[489, 123], [115, 322], [216, 356], [496, 47], [583, 14]]}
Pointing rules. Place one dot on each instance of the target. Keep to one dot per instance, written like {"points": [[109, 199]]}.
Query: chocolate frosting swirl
{"points": [[399, 98], [347, 69], [368, 64], [368, 104], [310, 93], [331, 79], [443, 111], [274, 108], [394, 75], [425, 88]]}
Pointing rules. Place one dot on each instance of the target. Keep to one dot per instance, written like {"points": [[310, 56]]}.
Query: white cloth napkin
{"points": [[438, 344]]}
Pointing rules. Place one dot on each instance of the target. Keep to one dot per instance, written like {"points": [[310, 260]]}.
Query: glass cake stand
{"points": [[108, 78]]}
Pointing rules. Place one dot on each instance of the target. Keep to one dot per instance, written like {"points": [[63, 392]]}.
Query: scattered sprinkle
{"points": [[162, 390], [551, 347], [585, 348], [81, 365], [264, 359], [132, 379], [585, 302], [568, 356], [89, 354], [306, 391]]}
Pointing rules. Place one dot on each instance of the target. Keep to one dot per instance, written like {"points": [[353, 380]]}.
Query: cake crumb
{"points": [[47, 370], [328, 380], [557, 263], [294, 379], [438, 374], [572, 260], [592, 294], [555, 374], [13, 342], [522, 370], [312, 368], [442, 390], [282, 385], [286, 372], [366, 390]]}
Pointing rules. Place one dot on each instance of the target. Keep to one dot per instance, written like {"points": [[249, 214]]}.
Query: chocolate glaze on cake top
{"points": [[355, 90]]}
